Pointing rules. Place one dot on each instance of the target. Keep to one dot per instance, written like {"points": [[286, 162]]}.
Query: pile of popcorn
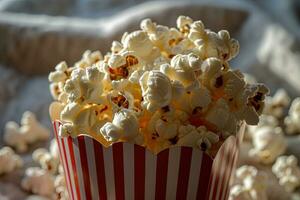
{"points": [[47, 178], [158, 87]]}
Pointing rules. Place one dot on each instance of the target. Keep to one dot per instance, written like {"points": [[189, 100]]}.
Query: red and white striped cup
{"points": [[128, 171]]}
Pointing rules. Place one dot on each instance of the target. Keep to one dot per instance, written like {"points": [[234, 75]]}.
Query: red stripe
{"points": [[184, 171], [218, 171], [161, 174], [75, 175], [62, 157], [84, 166], [67, 167], [100, 170], [119, 170], [204, 177], [139, 172]]}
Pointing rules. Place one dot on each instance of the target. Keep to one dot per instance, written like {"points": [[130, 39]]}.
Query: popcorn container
{"points": [[129, 171]]}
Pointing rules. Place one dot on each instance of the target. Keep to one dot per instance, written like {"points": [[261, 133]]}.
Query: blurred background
{"points": [[35, 35]]}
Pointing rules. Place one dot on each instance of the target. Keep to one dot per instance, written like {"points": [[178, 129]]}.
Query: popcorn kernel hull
{"points": [[129, 171]]}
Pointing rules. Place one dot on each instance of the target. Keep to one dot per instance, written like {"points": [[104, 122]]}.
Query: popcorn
{"points": [[116, 47], [9, 161], [156, 90], [292, 121], [46, 160], [287, 171], [38, 181], [191, 136], [29, 132], [78, 119], [191, 98], [250, 111], [210, 44], [61, 192], [264, 120], [221, 117], [120, 100], [83, 85], [238, 192], [277, 104], [252, 184], [89, 58], [183, 68], [184, 23], [123, 127], [154, 82], [61, 73], [268, 144], [139, 42]]}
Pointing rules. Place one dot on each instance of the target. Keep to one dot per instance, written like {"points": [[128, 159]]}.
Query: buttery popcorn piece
{"points": [[38, 181], [292, 121], [46, 160], [156, 90], [252, 184], [123, 127], [288, 172], [9, 161], [276, 105], [200, 136], [29, 132], [183, 68], [268, 144]]}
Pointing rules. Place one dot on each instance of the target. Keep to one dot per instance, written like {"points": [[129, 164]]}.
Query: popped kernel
{"points": [[38, 181], [9, 160], [287, 171], [292, 121], [30, 131], [252, 184], [268, 144]]}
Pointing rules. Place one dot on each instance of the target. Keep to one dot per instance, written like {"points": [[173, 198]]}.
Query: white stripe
{"points": [[173, 172], [233, 167], [89, 146], [215, 168], [230, 152], [230, 178], [196, 163], [150, 176], [109, 173], [78, 168], [70, 167], [64, 160], [128, 152]]}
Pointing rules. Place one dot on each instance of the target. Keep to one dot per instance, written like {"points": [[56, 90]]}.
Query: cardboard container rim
{"points": [[232, 137]]}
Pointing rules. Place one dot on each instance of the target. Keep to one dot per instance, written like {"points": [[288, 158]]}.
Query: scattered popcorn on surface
{"points": [[45, 159], [264, 121], [292, 121], [38, 181], [9, 161], [131, 93], [29, 132], [277, 104], [288, 172], [268, 143], [252, 184]]}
